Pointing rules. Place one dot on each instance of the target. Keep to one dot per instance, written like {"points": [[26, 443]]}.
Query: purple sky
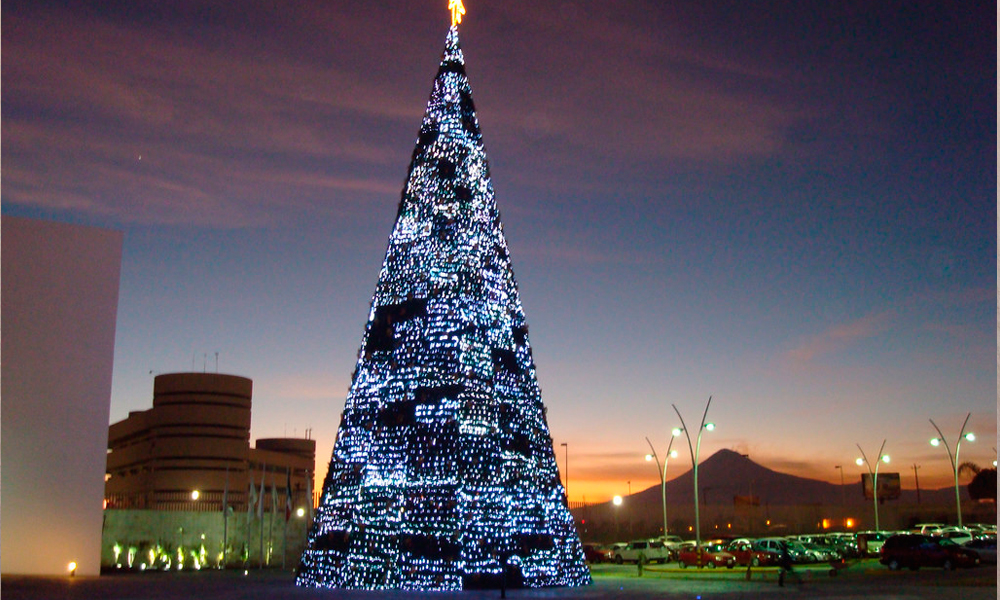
{"points": [[787, 205]]}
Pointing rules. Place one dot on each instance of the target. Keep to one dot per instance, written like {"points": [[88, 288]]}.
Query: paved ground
{"points": [[862, 581]]}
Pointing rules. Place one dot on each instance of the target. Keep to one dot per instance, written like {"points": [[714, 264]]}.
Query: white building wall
{"points": [[59, 300]]}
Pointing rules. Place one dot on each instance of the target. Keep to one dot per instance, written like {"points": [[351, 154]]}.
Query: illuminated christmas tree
{"points": [[443, 470]]}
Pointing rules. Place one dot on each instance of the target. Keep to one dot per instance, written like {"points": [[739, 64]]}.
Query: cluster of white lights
{"points": [[443, 474]]}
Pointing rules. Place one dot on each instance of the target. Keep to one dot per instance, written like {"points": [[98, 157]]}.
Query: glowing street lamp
{"points": [[694, 465], [863, 461], [962, 435], [616, 501], [663, 473]]}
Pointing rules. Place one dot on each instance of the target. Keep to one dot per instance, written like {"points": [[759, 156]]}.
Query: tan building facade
{"points": [[192, 449]]}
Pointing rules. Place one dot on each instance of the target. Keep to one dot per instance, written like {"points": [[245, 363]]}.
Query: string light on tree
{"points": [[443, 474]]}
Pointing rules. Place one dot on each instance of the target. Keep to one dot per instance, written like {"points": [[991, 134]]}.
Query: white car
{"points": [[959, 535], [646, 550]]}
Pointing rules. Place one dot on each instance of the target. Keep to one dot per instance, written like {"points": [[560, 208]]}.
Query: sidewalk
{"points": [[977, 584]]}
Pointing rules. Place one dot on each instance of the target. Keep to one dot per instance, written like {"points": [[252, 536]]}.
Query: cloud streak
{"points": [[841, 336]]}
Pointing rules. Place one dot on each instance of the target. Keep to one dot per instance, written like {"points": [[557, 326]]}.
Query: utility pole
{"points": [[917, 479]]}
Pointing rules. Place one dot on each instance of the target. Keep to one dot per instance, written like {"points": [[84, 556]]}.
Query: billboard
{"points": [[888, 486]]}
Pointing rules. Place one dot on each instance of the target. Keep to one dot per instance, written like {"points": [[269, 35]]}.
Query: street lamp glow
{"points": [[882, 458], [301, 512], [671, 453], [695, 451], [617, 500], [953, 458]]}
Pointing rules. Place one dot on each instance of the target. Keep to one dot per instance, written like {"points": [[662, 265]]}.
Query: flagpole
{"points": [[288, 515], [225, 519], [270, 526], [260, 516], [251, 501]]}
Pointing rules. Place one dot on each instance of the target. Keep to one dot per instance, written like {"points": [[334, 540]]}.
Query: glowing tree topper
{"points": [[443, 475]]}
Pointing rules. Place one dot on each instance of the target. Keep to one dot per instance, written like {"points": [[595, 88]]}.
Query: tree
{"points": [[443, 474], [984, 485]]}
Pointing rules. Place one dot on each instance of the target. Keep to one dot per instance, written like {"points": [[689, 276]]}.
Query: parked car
{"points": [[870, 542], [594, 553], [959, 535], [649, 551], [914, 551], [845, 544], [671, 543], [746, 554], [712, 555], [774, 544], [985, 547], [821, 553], [927, 528]]}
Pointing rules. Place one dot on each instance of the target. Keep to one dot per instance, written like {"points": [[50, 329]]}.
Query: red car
{"points": [[914, 551], [713, 554], [746, 554]]}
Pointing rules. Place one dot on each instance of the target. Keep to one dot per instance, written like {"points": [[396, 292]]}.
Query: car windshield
{"points": [[714, 547], [655, 544]]}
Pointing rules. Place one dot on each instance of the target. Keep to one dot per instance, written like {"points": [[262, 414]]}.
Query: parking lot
{"points": [[863, 579]]}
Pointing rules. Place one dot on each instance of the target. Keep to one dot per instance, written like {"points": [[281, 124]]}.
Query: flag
{"points": [[288, 494], [260, 503], [274, 496], [251, 499], [309, 497]]}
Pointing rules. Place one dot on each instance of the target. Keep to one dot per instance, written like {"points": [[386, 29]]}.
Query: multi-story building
{"points": [[196, 438]]}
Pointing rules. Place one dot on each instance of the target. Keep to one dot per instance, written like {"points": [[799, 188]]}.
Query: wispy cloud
{"points": [[841, 336]]}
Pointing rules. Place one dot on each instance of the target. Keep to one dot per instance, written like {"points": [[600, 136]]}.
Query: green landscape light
{"points": [[710, 426], [970, 436], [676, 431], [936, 442]]}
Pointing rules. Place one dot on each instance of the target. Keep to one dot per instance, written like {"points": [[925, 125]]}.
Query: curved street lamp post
{"points": [[863, 461], [962, 435], [663, 473], [695, 450]]}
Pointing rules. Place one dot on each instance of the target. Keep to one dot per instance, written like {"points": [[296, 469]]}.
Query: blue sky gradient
{"points": [[790, 206]]}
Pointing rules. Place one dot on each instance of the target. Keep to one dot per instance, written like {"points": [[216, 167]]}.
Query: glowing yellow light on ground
{"points": [[71, 567], [195, 494], [457, 10], [300, 513]]}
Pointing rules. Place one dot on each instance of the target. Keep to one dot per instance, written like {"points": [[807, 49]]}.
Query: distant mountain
{"points": [[727, 474]]}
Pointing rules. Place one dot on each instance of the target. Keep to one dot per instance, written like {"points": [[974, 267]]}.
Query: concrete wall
{"points": [[59, 305], [168, 533]]}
